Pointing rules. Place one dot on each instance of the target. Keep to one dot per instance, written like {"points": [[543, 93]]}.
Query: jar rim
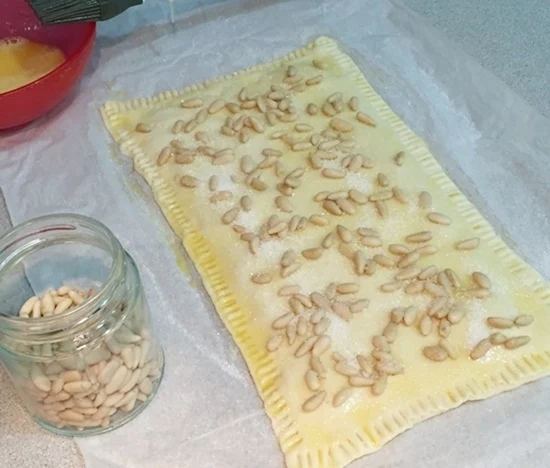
{"points": [[15, 325]]}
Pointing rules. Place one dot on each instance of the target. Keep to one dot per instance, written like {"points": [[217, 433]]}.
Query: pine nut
{"points": [[497, 338], [455, 315], [223, 159], [191, 103], [76, 298], [216, 106], [274, 343], [444, 328], [382, 209], [347, 288], [398, 249], [301, 328], [289, 290], [142, 127], [320, 346], [282, 321], [306, 346], [384, 261], [233, 107], [480, 349], [328, 240], [288, 258], [330, 291], [424, 200], [40, 381], [481, 280], [189, 181], [478, 293], [363, 231], [370, 267], [312, 109], [291, 333], [341, 396], [335, 97], [390, 332], [434, 289], [230, 215], [320, 196], [409, 315], [379, 387], [453, 277], [314, 402], [439, 218], [258, 184], [312, 380], [345, 369], [408, 259], [333, 173], [391, 287], [523, 320], [342, 310], [164, 156], [381, 195], [365, 119], [383, 180], [304, 300], [435, 353], [381, 343], [312, 254], [344, 234], [437, 305], [302, 146], [28, 306], [257, 125], [319, 300], [468, 244], [390, 367], [201, 116], [428, 272], [322, 326], [407, 274], [261, 278], [371, 241], [418, 237], [516, 342], [358, 306], [320, 220], [425, 325], [397, 315], [399, 158], [341, 125], [360, 261], [332, 208], [500, 322], [353, 103], [357, 197], [345, 205]]}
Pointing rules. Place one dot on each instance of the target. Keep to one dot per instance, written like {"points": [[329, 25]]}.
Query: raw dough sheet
{"points": [[334, 434], [491, 143]]}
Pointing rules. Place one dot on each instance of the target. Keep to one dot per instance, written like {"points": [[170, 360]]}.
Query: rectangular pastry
{"points": [[363, 289]]}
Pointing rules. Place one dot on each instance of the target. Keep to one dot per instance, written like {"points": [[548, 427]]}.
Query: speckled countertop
{"points": [[509, 38]]}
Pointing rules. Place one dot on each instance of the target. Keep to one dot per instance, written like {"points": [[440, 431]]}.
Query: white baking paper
{"points": [[207, 413]]}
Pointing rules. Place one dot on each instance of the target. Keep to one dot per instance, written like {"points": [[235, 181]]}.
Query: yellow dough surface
{"points": [[353, 330]]}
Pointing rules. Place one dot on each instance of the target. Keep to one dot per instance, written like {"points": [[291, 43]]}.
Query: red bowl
{"points": [[28, 102]]}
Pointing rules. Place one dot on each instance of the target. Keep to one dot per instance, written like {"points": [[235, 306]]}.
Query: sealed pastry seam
{"points": [[364, 430]]}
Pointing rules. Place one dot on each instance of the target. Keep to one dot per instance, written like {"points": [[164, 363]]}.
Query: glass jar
{"points": [[75, 328]]}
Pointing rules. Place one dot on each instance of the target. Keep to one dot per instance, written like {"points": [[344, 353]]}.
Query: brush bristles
{"points": [[70, 11], [60, 11]]}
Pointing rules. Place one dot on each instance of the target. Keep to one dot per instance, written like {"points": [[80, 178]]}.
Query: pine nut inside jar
{"points": [[75, 327]]}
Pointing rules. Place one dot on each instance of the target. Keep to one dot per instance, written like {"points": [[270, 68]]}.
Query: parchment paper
{"points": [[207, 413]]}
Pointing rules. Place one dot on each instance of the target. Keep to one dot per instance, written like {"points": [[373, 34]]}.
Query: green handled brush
{"points": [[74, 11]]}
